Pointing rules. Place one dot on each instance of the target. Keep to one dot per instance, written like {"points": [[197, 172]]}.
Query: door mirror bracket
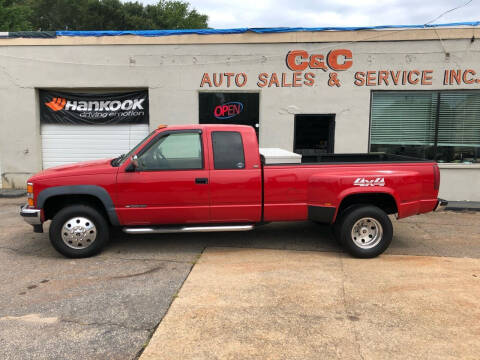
{"points": [[133, 166]]}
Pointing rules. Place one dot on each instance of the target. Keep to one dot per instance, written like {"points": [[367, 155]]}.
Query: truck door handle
{"points": [[201, 181]]}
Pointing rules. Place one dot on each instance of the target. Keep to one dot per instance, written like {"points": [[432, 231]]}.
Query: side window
{"points": [[180, 151], [228, 150]]}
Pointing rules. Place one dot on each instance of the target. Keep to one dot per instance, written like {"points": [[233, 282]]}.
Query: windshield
{"points": [[121, 159]]}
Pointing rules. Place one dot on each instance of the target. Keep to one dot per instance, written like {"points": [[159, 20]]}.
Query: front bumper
{"points": [[31, 216], [441, 205]]}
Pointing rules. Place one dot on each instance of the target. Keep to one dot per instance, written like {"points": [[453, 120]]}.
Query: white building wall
{"points": [[172, 74], [460, 182]]}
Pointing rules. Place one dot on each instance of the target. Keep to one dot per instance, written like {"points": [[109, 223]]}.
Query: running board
{"points": [[186, 229]]}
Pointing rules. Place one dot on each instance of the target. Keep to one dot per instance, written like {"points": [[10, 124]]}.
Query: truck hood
{"points": [[102, 166]]}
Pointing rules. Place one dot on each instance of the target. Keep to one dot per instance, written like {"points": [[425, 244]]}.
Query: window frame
{"points": [[167, 133], [132, 151], [213, 149], [438, 93], [235, 97]]}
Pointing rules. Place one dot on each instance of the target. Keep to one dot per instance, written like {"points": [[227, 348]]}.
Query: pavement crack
{"points": [[276, 248], [437, 224], [348, 315], [156, 260], [85, 323], [8, 248], [19, 251], [149, 271]]}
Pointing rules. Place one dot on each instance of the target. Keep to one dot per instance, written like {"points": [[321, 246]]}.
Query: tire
{"points": [[79, 231], [365, 231], [337, 226]]}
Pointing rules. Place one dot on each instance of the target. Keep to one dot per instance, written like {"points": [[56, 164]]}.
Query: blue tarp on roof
{"points": [[255, 30]]}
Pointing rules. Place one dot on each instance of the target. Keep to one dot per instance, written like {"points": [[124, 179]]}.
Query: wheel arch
{"points": [[54, 198], [382, 200]]}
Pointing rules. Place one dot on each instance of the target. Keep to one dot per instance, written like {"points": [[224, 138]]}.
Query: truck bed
{"points": [[291, 189], [354, 158]]}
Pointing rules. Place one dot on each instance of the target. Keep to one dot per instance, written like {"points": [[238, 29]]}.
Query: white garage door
{"points": [[65, 144]]}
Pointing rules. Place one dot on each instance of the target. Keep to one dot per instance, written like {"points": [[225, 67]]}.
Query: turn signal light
{"points": [[30, 194], [161, 127]]}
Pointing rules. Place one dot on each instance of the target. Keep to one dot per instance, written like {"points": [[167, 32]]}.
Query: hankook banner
{"points": [[92, 109]]}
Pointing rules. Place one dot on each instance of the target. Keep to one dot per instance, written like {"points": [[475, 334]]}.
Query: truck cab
{"points": [[192, 175]]}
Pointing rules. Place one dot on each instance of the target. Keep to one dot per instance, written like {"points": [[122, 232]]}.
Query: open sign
{"points": [[228, 110]]}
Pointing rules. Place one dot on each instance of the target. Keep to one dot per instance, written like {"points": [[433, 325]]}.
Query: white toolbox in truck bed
{"points": [[280, 156]]}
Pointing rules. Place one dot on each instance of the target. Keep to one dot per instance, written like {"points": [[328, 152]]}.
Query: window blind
{"points": [[399, 118], [459, 119]]}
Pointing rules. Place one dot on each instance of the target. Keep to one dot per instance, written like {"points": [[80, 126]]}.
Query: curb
{"points": [[10, 194], [463, 205]]}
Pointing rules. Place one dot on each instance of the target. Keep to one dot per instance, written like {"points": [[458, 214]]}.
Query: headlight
{"points": [[30, 194]]}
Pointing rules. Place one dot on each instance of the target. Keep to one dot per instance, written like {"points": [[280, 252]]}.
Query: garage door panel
{"points": [[61, 144], [125, 134], [65, 144]]}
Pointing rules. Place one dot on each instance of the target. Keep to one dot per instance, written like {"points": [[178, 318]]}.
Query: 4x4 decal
{"points": [[369, 182]]}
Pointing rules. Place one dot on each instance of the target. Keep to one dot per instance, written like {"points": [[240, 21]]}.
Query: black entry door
{"points": [[314, 135], [229, 108]]}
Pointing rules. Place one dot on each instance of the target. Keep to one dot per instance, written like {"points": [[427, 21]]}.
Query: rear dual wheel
{"points": [[365, 231]]}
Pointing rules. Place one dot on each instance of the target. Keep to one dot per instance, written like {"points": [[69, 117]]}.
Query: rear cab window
{"points": [[228, 153]]}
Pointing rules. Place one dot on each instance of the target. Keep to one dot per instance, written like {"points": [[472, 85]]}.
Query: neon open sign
{"points": [[228, 110]]}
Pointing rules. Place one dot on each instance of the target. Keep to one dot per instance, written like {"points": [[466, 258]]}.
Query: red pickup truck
{"points": [[201, 178]]}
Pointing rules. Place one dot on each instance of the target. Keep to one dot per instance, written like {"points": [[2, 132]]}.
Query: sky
{"points": [[310, 13]]}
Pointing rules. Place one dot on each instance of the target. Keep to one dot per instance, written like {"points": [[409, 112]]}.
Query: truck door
{"points": [[171, 183], [235, 176]]}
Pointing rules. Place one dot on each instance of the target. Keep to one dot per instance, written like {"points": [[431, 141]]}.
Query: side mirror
{"points": [[133, 164]]}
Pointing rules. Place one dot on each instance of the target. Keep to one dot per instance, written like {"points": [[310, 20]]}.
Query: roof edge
{"points": [[248, 36], [258, 30], [272, 30]]}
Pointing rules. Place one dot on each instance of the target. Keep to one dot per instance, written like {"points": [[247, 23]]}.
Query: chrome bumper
{"points": [[441, 205], [31, 216]]}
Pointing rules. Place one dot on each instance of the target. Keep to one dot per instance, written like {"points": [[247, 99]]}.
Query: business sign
{"points": [[228, 110], [91, 109], [303, 66], [306, 69]]}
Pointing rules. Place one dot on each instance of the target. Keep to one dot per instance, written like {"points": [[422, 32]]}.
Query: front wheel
{"points": [[365, 231], [79, 231]]}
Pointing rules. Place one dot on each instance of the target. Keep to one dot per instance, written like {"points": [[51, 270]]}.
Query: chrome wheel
{"points": [[367, 233], [79, 233]]}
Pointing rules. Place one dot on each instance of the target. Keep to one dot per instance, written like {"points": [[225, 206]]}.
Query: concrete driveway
{"points": [[284, 304], [109, 306]]}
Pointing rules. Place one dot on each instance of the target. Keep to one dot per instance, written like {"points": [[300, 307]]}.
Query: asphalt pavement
{"points": [[109, 306]]}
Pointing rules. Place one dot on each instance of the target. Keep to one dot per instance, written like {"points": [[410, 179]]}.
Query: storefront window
{"points": [[437, 125], [240, 108]]}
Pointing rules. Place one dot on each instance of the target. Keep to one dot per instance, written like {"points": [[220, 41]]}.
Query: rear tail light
{"points": [[436, 177]]}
